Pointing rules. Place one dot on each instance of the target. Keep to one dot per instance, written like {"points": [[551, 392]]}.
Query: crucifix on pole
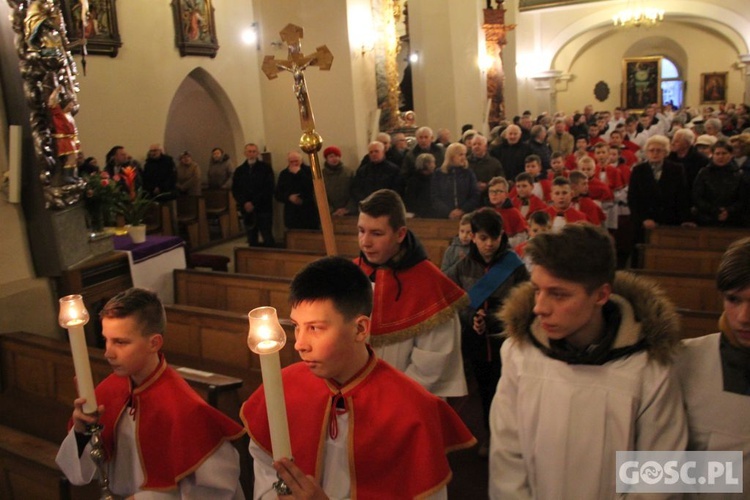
{"points": [[311, 141]]}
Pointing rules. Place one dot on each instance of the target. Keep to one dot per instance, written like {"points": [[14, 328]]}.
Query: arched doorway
{"points": [[201, 117]]}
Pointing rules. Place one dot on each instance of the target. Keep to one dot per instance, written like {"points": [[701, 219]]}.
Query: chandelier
{"points": [[638, 14]]}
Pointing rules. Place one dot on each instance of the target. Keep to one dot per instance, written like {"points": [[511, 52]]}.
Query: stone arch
{"points": [[201, 117]]}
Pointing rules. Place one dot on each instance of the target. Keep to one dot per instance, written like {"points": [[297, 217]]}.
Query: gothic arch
{"points": [[201, 117]]}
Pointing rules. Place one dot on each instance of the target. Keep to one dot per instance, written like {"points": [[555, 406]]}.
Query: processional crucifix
{"points": [[311, 141]]}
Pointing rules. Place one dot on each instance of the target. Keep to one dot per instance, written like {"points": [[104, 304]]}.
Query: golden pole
{"points": [[310, 142]]}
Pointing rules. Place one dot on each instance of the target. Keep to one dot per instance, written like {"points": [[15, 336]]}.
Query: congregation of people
{"points": [[573, 360]]}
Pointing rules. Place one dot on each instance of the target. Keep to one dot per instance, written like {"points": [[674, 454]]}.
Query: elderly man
{"points": [[538, 146], [512, 152], [684, 153], [159, 172], [484, 166], [376, 173], [253, 187], [424, 145], [399, 147], [560, 140]]}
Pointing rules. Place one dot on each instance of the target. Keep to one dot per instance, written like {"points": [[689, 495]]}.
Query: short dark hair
{"points": [[582, 253], [540, 217], [533, 158], [723, 145], [142, 305], [488, 220], [577, 176], [385, 202], [525, 177], [560, 181], [557, 154], [336, 279], [734, 268]]}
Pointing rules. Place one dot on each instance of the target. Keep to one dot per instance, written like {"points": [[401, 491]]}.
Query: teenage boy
{"points": [[514, 223], [586, 372], [459, 247], [525, 200], [581, 151], [541, 187], [488, 274], [561, 211], [557, 167], [160, 437], [358, 427], [598, 191], [604, 172], [714, 369], [415, 324], [579, 186]]}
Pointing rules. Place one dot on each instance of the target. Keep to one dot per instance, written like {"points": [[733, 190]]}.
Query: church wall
{"points": [[602, 61]]}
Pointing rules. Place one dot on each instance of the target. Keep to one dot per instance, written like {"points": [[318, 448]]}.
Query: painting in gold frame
{"points": [[714, 88], [195, 30], [641, 82]]}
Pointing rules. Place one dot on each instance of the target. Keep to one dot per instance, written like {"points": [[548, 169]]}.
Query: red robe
{"points": [[599, 191], [546, 187], [398, 432], [513, 221], [551, 174], [175, 429], [612, 175], [571, 214], [593, 212], [410, 301], [535, 204]]}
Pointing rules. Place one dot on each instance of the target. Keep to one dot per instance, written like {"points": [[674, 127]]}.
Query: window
{"points": [[672, 86]]}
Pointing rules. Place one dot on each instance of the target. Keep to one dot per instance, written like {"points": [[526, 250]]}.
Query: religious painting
{"points": [[641, 82], [541, 4], [713, 88], [195, 31], [99, 28]]}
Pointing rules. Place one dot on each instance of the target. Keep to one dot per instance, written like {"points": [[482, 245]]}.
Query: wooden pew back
{"points": [[704, 238], [698, 323], [279, 262], [231, 292], [680, 260], [347, 244], [696, 292]]}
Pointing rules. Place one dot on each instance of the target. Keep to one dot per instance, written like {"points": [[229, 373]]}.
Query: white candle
{"points": [[73, 316], [266, 338]]}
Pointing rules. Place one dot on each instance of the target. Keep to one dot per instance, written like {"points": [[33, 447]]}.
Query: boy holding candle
{"points": [[358, 427], [159, 436]]}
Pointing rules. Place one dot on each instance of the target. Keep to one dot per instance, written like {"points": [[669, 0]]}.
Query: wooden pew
{"points": [[231, 291], [213, 340], [36, 401], [279, 262], [696, 292], [698, 323], [703, 238], [28, 470], [347, 244], [679, 260], [423, 228]]}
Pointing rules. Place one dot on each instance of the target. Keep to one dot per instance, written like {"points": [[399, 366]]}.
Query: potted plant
{"points": [[102, 198], [135, 205]]}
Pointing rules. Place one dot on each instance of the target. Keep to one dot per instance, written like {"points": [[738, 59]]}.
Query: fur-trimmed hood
{"points": [[647, 314]]}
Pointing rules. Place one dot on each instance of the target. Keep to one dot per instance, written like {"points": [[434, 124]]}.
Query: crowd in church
{"points": [[573, 360]]}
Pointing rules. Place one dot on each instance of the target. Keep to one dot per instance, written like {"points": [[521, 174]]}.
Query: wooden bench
{"points": [[703, 238], [231, 292], [424, 228], [347, 244], [279, 262], [28, 470], [696, 292], [679, 260], [698, 323], [213, 340]]}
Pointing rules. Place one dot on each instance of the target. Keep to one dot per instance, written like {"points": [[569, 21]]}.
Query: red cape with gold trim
{"points": [[398, 432], [410, 302], [176, 430]]}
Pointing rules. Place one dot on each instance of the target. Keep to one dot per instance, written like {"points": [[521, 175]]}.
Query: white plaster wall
{"points": [[125, 100]]}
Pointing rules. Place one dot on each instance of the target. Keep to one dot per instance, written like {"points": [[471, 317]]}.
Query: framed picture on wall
{"points": [[99, 28], [195, 31], [713, 88], [641, 82]]}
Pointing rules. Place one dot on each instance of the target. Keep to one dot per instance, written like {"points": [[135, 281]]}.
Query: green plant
{"points": [[102, 198], [136, 203]]}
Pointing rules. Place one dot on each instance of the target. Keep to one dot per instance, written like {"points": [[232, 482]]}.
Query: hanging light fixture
{"points": [[638, 13]]}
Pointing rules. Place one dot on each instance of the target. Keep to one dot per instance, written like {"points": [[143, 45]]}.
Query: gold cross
{"points": [[296, 64]]}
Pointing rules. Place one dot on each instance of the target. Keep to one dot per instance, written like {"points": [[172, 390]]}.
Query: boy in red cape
{"points": [[415, 323], [159, 436], [358, 427]]}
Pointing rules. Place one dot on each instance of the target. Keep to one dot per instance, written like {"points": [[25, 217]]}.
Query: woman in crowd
{"points": [[454, 189], [719, 192]]}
